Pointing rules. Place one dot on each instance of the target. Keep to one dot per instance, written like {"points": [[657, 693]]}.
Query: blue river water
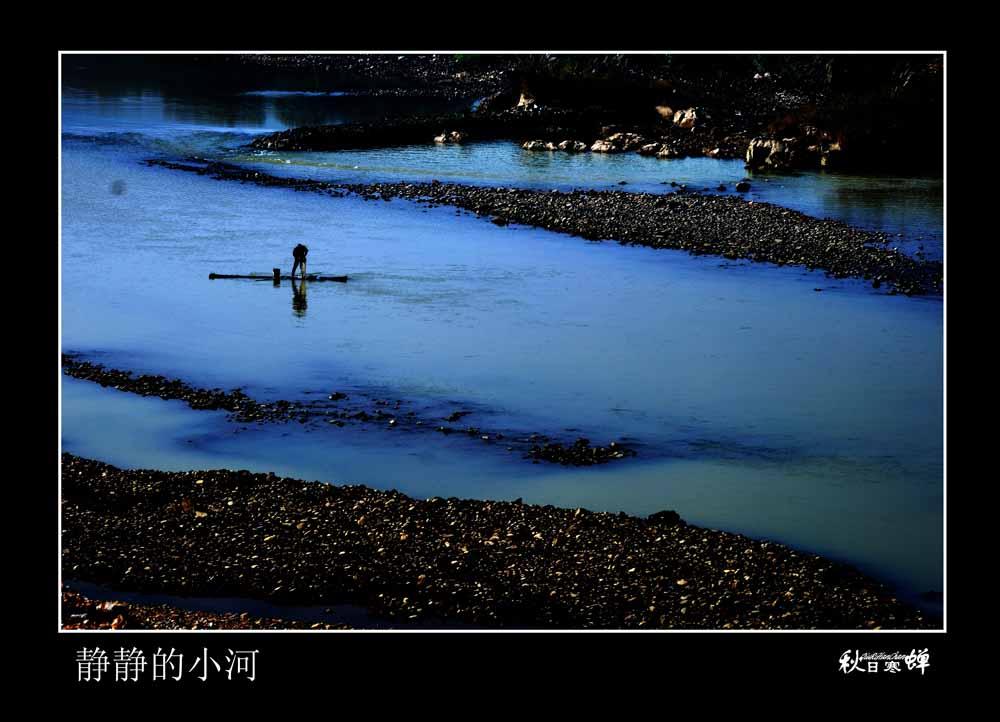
{"points": [[758, 405]]}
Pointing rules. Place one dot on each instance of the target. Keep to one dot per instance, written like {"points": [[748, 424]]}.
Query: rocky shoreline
{"points": [[537, 128], [408, 130], [489, 563], [339, 410], [699, 223], [782, 113]]}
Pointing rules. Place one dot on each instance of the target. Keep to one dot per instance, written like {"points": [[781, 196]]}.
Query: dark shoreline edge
{"points": [[700, 224], [494, 564], [338, 410]]}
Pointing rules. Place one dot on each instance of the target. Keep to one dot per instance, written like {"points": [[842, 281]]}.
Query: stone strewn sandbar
{"points": [[702, 224], [339, 410], [489, 563]]}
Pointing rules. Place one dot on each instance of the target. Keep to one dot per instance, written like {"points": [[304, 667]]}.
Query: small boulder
{"points": [[627, 141], [454, 136], [771, 153], [665, 111], [831, 155], [686, 119]]}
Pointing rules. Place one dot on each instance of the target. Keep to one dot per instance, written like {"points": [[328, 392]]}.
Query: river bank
{"points": [[785, 113], [495, 564], [594, 130], [699, 223]]}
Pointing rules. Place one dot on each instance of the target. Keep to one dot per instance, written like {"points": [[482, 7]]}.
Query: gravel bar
{"points": [[494, 564]]}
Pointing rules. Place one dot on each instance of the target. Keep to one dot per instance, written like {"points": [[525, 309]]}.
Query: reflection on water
{"points": [[299, 304]]}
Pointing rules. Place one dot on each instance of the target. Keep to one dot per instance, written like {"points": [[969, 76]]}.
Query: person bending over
{"points": [[299, 253]]}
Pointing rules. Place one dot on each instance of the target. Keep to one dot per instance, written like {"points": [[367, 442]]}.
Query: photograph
{"points": [[398, 342]]}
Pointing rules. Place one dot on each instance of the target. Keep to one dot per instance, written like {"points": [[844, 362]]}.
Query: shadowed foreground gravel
{"points": [[495, 564], [80, 612]]}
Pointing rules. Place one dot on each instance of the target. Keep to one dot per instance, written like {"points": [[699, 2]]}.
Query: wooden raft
{"points": [[277, 277]]}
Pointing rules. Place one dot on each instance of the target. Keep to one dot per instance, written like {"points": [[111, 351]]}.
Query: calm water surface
{"points": [[758, 405]]}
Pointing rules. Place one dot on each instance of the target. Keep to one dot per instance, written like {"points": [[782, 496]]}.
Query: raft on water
{"points": [[261, 277]]}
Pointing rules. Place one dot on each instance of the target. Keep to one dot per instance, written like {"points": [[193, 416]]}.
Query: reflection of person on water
{"points": [[299, 253], [299, 297]]}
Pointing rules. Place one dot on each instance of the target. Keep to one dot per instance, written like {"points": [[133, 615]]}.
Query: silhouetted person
{"points": [[299, 253]]}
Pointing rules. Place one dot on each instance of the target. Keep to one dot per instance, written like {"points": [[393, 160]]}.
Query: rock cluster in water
{"points": [[701, 224], [488, 563], [580, 453], [808, 148], [664, 143], [338, 409]]}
